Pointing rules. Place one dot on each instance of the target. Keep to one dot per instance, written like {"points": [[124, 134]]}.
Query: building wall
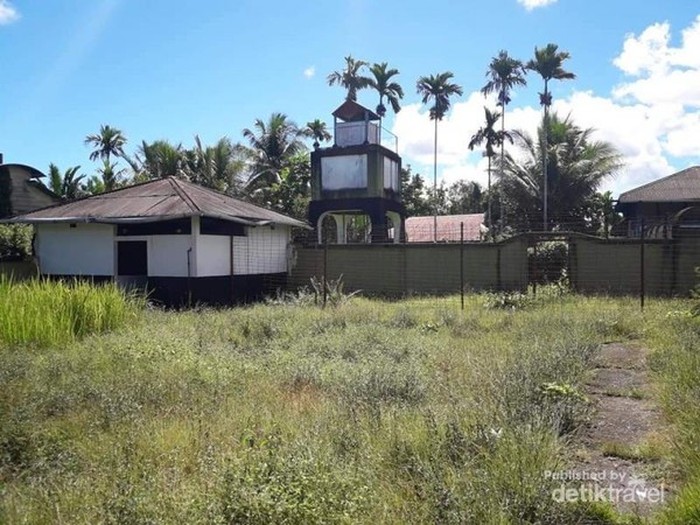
{"points": [[24, 196], [213, 255], [86, 249], [263, 250]]}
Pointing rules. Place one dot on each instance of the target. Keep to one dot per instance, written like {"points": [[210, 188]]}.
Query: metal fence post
{"points": [[641, 267], [461, 262], [325, 273]]}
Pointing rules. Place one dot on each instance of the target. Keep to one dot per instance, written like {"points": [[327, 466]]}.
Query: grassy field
{"points": [[365, 412]]}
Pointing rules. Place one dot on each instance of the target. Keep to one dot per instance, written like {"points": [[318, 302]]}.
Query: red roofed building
{"points": [[421, 229]]}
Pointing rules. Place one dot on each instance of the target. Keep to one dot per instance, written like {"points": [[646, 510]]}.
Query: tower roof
{"points": [[351, 111]]}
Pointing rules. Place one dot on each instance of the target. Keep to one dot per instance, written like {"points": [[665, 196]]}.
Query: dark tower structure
{"points": [[357, 176]]}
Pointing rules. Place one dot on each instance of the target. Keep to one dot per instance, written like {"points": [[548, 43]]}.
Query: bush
{"points": [[16, 242]]}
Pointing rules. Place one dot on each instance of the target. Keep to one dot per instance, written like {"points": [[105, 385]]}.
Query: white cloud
{"points": [[534, 4], [653, 118], [8, 13], [310, 71]]}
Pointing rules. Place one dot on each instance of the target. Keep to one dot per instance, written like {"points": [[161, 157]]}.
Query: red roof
{"points": [[420, 229]]}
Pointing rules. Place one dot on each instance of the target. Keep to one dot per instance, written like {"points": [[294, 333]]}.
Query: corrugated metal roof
{"points": [[683, 186], [351, 111], [160, 199], [420, 229]]}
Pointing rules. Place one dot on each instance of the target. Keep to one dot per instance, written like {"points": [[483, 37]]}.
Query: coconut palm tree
{"points": [[110, 175], [157, 160], [548, 64], [491, 138], [272, 145], [317, 130], [576, 167], [218, 167], [66, 185], [107, 143], [504, 74], [350, 78], [438, 89], [382, 84]]}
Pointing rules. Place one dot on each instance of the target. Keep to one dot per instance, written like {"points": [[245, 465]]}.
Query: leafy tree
{"points": [[66, 185], [413, 193], [107, 143], [317, 130], [601, 218], [93, 186], [272, 145], [351, 77], [437, 89], [577, 165], [381, 82], [548, 64], [465, 197], [491, 138], [504, 74]]}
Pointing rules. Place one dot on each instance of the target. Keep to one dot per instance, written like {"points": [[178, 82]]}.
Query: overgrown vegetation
{"points": [[16, 242], [369, 412], [49, 313]]}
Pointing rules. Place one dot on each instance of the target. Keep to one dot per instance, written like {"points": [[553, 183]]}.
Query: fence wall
{"points": [[594, 265], [397, 269]]}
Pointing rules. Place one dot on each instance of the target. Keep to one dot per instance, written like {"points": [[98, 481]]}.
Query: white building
{"points": [[186, 243]]}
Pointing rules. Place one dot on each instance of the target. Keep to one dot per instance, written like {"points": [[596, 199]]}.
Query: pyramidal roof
{"points": [[681, 186], [158, 200]]}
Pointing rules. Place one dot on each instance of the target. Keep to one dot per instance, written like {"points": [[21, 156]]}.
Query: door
{"points": [[132, 258]]}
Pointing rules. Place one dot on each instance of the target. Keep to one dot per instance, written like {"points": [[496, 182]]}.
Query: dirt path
{"points": [[621, 442]]}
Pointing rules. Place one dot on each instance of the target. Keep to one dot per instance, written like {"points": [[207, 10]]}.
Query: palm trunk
{"points": [[435, 184], [500, 171], [489, 221], [544, 154]]}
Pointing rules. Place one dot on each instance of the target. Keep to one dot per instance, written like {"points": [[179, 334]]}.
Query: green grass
{"points": [[47, 313], [368, 412]]}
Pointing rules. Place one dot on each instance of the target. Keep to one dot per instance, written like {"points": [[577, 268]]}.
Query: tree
{"points": [[110, 175], [382, 84], [438, 89], [291, 193], [465, 197], [413, 194], [107, 143], [577, 165], [504, 73], [66, 185], [219, 167], [272, 145], [351, 77], [317, 130], [157, 160], [548, 64], [491, 138]]}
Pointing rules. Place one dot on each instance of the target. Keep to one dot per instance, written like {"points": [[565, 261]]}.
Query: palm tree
{"points": [[350, 78], [548, 64], [66, 185], [492, 138], [577, 165], [272, 145], [439, 89], [157, 160], [109, 141], [382, 83], [504, 73], [218, 167], [110, 175], [317, 130]]}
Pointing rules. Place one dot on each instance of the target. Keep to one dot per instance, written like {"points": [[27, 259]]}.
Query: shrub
{"points": [[15, 242]]}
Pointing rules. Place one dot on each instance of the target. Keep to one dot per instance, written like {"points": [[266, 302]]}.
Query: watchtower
{"points": [[357, 176]]}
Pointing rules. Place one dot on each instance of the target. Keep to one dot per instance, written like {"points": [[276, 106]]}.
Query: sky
{"points": [[160, 69]]}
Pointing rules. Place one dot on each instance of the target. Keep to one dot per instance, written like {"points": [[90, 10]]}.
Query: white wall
{"points": [[344, 172], [263, 250], [87, 249], [213, 255], [167, 254]]}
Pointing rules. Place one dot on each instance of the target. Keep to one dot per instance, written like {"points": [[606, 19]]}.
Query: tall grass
{"points": [[370, 412], [48, 313]]}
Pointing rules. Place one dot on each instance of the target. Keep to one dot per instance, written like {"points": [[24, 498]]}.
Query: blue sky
{"points": [[169, 70]]}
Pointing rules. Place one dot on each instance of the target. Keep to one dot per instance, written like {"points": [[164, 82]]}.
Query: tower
{"points": [[357, 176]]}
